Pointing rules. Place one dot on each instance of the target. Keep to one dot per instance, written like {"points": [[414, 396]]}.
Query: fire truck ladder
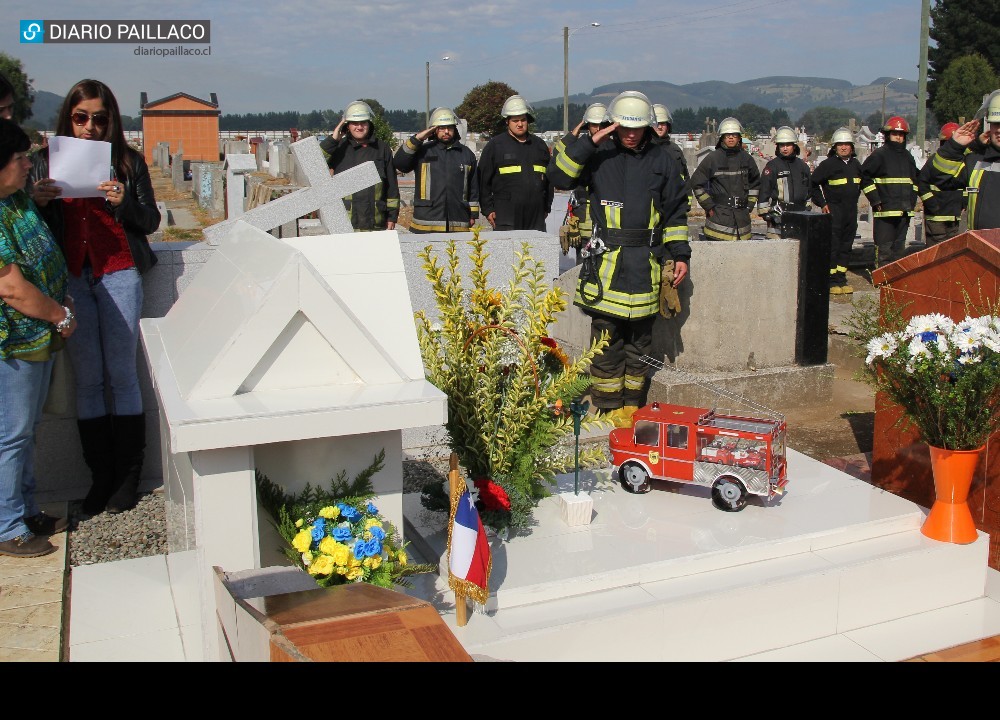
{"points": [[718, 390]]}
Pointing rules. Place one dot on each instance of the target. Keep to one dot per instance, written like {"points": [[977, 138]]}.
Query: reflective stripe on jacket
{"points": [[445, 186], [889, 179], [979, 172]]}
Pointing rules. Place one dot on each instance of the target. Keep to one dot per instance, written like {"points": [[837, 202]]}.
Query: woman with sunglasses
{"points": [[106, 248]]}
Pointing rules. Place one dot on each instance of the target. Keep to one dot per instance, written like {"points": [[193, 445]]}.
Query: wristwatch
{"points": [[64, 323]]}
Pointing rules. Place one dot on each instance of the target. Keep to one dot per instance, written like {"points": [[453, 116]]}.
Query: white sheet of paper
{"points": [[79, 166]]}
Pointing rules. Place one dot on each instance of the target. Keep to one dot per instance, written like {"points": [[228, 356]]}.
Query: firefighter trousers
{"points": [[618, 376], [844, 226], [889, 234], [936, 231]]}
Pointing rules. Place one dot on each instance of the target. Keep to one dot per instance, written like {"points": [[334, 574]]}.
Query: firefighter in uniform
{"points": [[784, 182], [943, 204], [977, 169], [889, 181], [836, 189], [577, 220], [662, 128], [445, 188], [726, 184], [513, 190], [377, 207], [638, 207]]}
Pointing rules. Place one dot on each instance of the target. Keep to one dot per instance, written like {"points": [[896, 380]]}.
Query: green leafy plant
{"points": [[337, 535], [509, 384], [943, 374]]}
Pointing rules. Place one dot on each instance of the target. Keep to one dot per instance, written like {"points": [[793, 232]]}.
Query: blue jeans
{"points": [[105, 341], [23, 387]]}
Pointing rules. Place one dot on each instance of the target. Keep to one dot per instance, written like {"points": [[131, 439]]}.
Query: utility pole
{"points": [[428, 116], [565, 80], [925, 15]]}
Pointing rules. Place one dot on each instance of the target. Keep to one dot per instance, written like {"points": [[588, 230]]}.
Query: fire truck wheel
{"points": [[728, 494], [634, 478]]}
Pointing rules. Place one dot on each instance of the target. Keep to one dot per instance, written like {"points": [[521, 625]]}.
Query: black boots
{"points": [[129, 447], [97, 439]]}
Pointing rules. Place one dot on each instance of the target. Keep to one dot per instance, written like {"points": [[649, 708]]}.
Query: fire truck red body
{"points": [[734, 455]]}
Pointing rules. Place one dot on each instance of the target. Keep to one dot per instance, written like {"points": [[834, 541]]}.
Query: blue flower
{"points": [[342, 534], [377, 532], [928, 336], [373, 547], [349, 512], [372, 510], [319, 529], [359, 550]]}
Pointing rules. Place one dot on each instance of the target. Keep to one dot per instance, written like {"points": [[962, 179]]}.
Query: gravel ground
{"points": [[142, 531]]}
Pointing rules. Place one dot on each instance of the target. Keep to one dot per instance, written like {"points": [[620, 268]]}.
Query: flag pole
{"points": [[461, 606]]}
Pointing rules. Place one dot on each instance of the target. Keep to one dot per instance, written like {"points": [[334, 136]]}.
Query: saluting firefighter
{"points": [[726, 185], [513, 190], [943, 204], [376, 207], [977, 169], [638, 207], [784, 182], [836, 189], [577, 221], [889, 181], [445, 187]]}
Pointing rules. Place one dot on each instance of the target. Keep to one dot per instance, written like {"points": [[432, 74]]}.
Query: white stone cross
{"points": [[325, 193]]}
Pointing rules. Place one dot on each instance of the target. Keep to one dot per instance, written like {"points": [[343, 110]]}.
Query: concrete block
{"points": [[576, 509]]}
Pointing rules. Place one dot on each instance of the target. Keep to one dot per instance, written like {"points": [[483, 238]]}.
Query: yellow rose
{"points": [[355, 573], [371, 522], [328, 545], [298, 523], [341, 570], [375, 562], [323, 565], [401, 556], [330, 512], [340, 553], [302, 540]]}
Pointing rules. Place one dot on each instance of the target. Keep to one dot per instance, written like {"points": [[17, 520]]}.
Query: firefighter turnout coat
{"points": [[445, 186], [638, 208], [979, 173], [889, 179], [944, 202], [837, 182], [373, 207], [784, 180], [727, 183], [513, 184]]}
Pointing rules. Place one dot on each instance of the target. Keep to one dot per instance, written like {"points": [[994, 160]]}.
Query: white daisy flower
{"points": [[881, 346], [966, 342], [918, 348]]}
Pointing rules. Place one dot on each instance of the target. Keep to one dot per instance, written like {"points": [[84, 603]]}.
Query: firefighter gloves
{"points": [[670, 301]]}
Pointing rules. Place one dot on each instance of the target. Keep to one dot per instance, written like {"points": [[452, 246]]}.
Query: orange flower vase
{"points": [[950, 519]]}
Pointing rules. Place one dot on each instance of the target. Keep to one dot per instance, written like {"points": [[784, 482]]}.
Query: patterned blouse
{"points": [[25, 239]]}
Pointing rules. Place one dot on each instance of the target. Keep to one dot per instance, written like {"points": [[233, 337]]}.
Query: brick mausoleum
{"points": [[184, 121]]}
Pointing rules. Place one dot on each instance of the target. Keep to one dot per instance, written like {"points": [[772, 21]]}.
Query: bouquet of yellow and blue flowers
{"points": [[338, 536]]}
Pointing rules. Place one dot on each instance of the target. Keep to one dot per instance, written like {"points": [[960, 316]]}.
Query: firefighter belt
{"points": [[569, 234], [670, 301]]}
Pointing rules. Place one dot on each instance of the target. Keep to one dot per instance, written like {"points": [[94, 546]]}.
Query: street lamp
{"points": [[884, 88], [566, 33], [446, 57]]}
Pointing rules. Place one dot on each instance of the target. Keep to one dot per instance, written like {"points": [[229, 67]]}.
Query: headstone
{"points": [[237, 167]]}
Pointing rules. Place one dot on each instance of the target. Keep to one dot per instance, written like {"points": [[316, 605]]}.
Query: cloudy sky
{"points": [[320, 54]]}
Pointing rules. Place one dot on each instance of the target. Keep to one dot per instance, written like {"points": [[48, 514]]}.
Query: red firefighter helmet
{"points": [[896, 124], [947, 129]]}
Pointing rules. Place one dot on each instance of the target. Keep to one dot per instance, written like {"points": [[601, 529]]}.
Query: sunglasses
{"points": [[80, 118]]}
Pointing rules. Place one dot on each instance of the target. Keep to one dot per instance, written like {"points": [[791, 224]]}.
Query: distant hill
{"points": [[44, 110], [794, 94]]}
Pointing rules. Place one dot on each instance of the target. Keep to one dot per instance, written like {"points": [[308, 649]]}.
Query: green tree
{"points": [[480, 107], [780, 117], [821, 121], [961, 87], [685, 121], [756, 120], [960, 28], [12, 69]]}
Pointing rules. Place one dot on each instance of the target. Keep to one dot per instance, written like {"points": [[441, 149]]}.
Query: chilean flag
{"points": [[469, 552]]}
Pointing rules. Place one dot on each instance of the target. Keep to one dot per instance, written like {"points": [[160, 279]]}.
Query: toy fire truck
{"points": [[734, 455]]}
